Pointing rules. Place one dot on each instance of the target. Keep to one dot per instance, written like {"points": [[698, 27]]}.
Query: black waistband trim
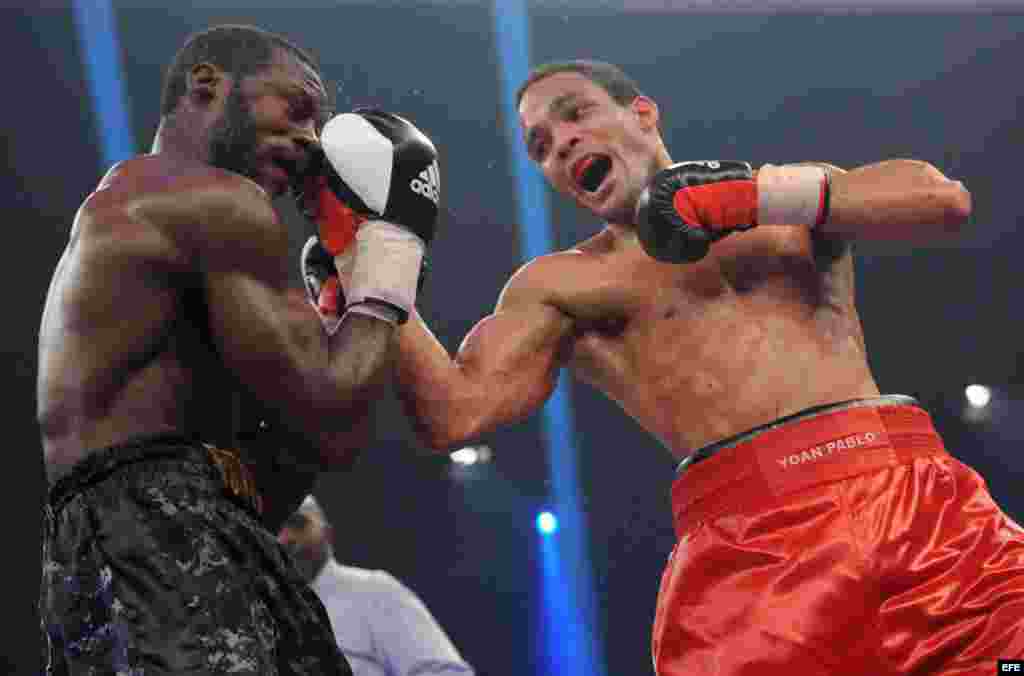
{"points": [[706, 452], [100, 463]]}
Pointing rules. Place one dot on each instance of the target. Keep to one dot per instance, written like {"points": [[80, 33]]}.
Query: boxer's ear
{"points": [[646, 112], [207, 83]]}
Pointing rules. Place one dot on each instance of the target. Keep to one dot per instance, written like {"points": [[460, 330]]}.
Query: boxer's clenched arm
{"points": [[505, 368], [688, 206], [895, 200], [272, 342]]}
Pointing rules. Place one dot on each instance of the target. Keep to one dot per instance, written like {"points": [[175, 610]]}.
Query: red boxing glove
{"points": [[324, 288], [328, 301], [336, 221], [690, 205], [718, 207], [336, 225]]}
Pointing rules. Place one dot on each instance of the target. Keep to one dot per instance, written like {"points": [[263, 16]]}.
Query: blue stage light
{"points": [[97, 32]]}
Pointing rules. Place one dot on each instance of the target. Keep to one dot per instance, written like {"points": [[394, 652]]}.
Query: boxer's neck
{"points": [[624, 235], [182, 136]]}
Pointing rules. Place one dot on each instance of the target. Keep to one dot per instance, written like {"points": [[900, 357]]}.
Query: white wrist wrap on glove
{"points": [[791, 195], [385, 268], [343, 263]]}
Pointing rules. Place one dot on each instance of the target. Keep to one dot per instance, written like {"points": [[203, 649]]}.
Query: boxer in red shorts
{"points": [[841, 540], [844, 541]]}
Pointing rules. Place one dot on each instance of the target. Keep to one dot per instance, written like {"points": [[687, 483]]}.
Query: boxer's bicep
{"points": [[518, 350], [257, 339], [505, 368], [263, 333]]}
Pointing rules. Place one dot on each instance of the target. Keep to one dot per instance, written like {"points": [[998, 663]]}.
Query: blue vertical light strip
{"points": [[97, 37], [572, 632], [559, 623]]}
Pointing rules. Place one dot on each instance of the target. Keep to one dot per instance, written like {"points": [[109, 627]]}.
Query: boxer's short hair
{"points": [[238, 50], [608, 76]]}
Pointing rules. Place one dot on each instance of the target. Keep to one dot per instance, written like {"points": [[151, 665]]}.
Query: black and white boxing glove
{"points": [[375, 201]]}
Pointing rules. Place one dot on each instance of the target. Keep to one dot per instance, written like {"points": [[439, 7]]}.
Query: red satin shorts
{"points": [[844, 542]]}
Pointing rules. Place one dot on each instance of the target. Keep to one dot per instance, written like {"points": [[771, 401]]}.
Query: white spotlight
{"points": [[471, 455], [547, 523], [978, 396], [465, 456]]}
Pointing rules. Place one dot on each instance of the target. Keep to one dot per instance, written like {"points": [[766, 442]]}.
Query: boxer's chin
{"points": [[615, 207], [598, 202], [619, 215]]}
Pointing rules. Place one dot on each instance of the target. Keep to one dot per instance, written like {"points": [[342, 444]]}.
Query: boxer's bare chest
{"points": [[708, 336], [652, 318]]}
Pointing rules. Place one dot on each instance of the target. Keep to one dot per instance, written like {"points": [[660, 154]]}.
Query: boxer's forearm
{"points": [[429, 384], [358, 359], [904, 200], [504, 370]]}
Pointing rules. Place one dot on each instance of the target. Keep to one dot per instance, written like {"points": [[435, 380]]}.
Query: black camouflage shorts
{"points": [[152, 565]]}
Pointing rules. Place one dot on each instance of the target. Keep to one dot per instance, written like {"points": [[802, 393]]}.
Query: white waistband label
{"points": [[820, 451]]}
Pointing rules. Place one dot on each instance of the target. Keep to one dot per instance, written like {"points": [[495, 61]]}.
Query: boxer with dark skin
{"points": [[749, 364], [173, 290], [171, 297]]}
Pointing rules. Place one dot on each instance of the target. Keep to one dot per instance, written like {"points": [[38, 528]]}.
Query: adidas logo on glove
{"points": [[428, 183]]}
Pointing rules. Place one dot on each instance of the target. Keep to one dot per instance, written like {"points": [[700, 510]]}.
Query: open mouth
{"points": [[271, 174], [289, 167], [590, 171], [279, 172]]}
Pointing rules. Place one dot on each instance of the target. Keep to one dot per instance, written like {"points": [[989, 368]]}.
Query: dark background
{"points": [[848, 88]]}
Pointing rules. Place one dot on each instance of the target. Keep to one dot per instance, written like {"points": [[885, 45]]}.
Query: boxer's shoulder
{"points": [[159, 188], [556, 270], [572, 280], [163, 208]]}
